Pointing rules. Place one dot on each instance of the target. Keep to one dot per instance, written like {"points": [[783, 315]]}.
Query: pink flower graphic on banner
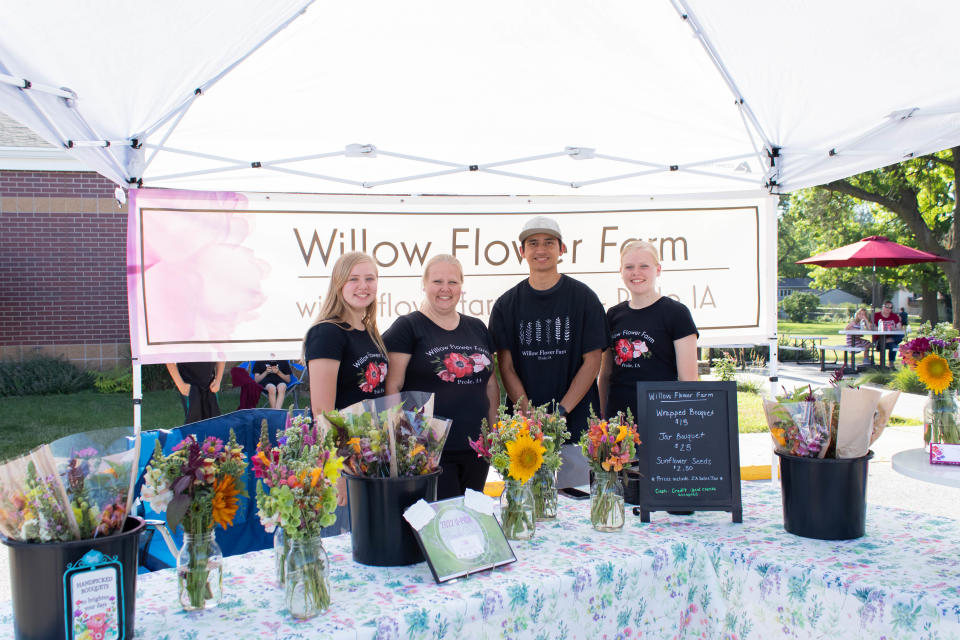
{"points": [[480, 362], [200, 278]]}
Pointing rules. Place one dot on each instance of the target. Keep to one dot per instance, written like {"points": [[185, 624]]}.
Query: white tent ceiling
{"points": [[437, 96]]}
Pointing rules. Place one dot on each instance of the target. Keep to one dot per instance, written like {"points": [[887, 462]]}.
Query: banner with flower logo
{"points": [[236, 276]]}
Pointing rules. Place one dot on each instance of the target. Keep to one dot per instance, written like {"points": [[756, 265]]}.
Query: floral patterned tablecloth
{"points": [[699, 576]]}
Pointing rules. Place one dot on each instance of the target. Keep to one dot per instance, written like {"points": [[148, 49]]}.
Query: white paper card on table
{"points": [[479, 502], [419, 514], [941, 453]]}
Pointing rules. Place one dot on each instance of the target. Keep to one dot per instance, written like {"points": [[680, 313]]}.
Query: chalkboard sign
{"points": [[690, 456]]}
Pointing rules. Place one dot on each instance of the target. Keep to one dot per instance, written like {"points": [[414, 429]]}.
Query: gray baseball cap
{"points": [[540, 224]]}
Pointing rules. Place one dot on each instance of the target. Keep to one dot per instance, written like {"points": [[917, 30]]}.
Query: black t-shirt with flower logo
{"points": [[453, 365], [547, 333], [363, 369], [643, 350]]}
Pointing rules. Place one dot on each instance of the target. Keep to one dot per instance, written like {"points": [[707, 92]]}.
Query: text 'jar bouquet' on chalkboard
{"points": [[840, 421], [390, 437], [514, 446], [609, 446], [300, 474]]}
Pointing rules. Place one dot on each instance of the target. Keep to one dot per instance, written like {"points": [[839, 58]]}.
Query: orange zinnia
{"points": [[225, 501]]}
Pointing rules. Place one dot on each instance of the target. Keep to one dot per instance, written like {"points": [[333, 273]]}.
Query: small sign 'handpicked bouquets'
{"points": [[300, 474], [197, 484], [608, 446], [514, 447], [934, 354]]}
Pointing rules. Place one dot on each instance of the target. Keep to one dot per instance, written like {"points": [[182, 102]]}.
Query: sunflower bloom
{"points": [[225, 501], [526, 456], [935, 373]]}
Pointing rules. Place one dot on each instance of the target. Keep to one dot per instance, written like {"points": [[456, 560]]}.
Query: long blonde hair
{"points": [[334, 307]]}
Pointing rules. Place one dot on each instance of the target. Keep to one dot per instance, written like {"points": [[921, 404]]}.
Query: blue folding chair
{"points": [[246, 533], [297, 373]]}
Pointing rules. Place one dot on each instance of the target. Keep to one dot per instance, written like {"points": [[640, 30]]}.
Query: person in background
{"points": [[274, 375], [436, 349], [860, 321], [549, 331], [344, 353], [198, 383], [886, 319], [653, 337], [904, 318]]}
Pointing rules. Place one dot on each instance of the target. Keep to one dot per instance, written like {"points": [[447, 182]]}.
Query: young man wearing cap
{"points": [[549, 332]]}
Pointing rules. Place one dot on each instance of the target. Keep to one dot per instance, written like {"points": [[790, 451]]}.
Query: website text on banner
{"points": [[236, 276]]}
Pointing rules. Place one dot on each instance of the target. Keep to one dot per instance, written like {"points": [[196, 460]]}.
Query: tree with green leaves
{"points": [[798, 306], [922, 194]]}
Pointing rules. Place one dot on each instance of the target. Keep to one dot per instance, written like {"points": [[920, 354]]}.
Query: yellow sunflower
{"points": [[934, 372], [225, 501], [526, 456]]}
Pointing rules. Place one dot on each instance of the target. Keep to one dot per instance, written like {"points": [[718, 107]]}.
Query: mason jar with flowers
{"points": [[514, 447], [296, 491], [608, 445], [197, 485], [933, 355]]}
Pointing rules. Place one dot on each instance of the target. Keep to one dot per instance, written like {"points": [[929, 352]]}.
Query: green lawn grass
{"points": [[29, 421], [810, 328]]}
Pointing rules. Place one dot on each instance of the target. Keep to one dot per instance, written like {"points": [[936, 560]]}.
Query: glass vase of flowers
{"points": [[544, 481], [197, 485], [514, 447], [608, 445], [296, 491], [933, 355]]}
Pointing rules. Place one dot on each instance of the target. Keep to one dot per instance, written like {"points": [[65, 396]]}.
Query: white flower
{"points": [[155, 491], [269, 522]]}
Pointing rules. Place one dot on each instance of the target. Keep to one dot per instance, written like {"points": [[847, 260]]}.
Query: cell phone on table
{"points": [[574, 493]]}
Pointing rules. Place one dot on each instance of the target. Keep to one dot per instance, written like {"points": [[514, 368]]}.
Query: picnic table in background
{"points": [[877, 333], [800, 343]]}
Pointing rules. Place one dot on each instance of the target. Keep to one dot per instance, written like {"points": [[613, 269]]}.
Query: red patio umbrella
{"points": [[873, 251]]}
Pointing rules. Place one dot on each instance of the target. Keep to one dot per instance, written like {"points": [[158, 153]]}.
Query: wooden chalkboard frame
{"points": [[734, 505]]}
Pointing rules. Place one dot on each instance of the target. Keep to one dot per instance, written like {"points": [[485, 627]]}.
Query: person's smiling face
{"points": [[361, 287], [442, 287], [639, 271], [542, 252]]}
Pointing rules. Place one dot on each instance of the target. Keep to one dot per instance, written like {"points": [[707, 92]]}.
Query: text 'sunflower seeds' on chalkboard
{"points": [[689, 459]]}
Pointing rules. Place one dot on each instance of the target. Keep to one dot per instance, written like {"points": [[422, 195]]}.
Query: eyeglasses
{"points": [[887, 306]]}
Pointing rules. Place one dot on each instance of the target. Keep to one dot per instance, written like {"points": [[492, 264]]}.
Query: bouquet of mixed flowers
{"points": [[608, 446], [75, 488], [933, 355], [839, 421], [197, 484], [390, 437], [514, 446], [301, 474]]}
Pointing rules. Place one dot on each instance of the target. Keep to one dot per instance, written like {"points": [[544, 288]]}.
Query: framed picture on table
{"points": [[459, 536]]}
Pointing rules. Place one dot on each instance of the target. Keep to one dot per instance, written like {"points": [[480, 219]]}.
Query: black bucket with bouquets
{"points": [[378, 531], [61, 590], [824, 498]]}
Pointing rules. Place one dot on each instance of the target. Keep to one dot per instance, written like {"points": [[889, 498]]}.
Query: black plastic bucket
{"points": [[376, 517], [825, 499], [54, 583]]}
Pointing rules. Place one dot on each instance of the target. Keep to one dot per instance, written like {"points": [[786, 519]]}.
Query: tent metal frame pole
{"points": [[166, 136], [23, 83], [204, 86], [686, 14], [624, 176]]}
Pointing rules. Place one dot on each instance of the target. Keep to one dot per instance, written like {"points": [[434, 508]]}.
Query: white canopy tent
{"points": [[641, 100], [432, 96]]}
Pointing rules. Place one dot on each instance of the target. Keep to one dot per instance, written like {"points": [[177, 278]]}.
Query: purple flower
{"points": [[87, 452]]}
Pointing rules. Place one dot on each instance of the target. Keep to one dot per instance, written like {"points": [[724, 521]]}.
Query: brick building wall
{"points": [[62, 268]]}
